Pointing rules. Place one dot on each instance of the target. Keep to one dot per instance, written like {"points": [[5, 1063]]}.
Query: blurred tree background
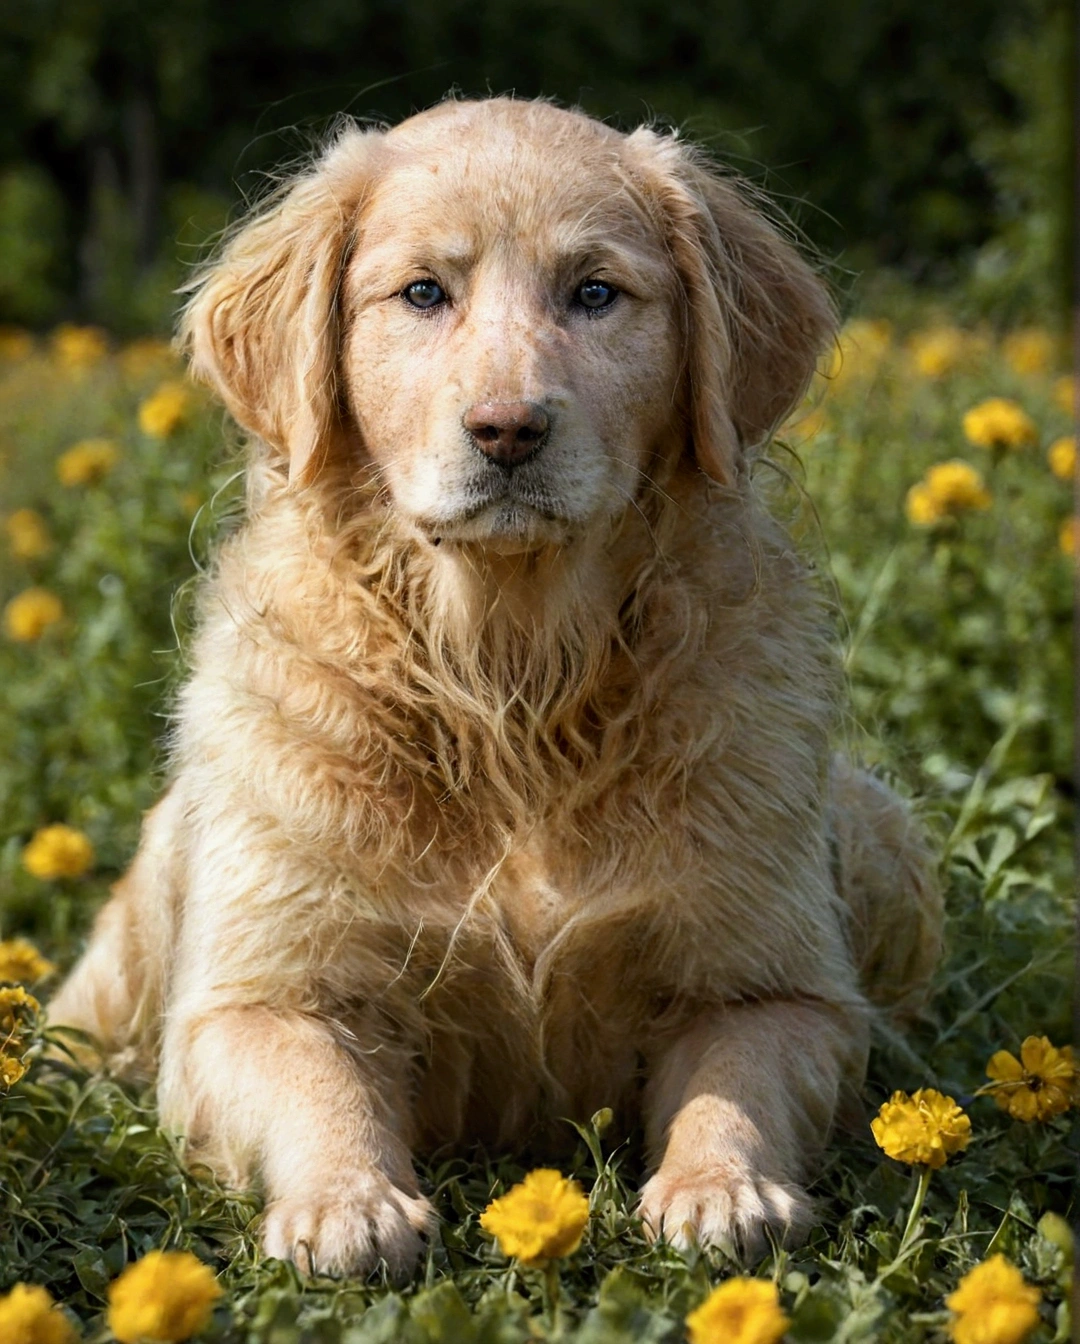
{"points": [[924, 139]]}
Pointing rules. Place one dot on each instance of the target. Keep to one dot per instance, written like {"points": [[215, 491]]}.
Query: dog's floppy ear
{"points": [[757, 316], [262, 327]]}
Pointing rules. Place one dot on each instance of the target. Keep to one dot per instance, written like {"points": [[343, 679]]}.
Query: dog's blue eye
{"points": [[424, 294], [595, 294]]}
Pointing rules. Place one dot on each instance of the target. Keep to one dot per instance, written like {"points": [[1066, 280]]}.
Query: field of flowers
{"points": [[930, 478]]}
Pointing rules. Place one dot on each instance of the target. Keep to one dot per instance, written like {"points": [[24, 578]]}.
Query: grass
{"points": [[957, 643]]}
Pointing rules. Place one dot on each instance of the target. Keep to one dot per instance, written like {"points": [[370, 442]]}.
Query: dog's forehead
{"points": [[501, 122], [474, 173]]}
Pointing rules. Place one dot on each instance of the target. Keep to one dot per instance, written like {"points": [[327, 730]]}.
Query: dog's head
{"points": [[515, 313]]}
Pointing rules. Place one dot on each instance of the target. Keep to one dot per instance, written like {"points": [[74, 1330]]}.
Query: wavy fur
{"points": [[469, 831]]}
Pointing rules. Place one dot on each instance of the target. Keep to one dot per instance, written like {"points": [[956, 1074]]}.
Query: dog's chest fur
{"points": [[534, 844], [531, 907]]}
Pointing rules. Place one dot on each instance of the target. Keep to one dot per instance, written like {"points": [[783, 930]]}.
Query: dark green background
{"points": [[929, 136]]}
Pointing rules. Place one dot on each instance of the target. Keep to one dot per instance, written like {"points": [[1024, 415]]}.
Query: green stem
{"points": [[916, 1209], [551, 1293]]}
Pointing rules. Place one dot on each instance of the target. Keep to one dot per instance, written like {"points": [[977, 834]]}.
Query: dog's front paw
{"points": [[348, 1228], [724, 1204]]}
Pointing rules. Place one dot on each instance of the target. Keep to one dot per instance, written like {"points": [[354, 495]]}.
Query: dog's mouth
{"points": [[502, 525], [506, 512]]}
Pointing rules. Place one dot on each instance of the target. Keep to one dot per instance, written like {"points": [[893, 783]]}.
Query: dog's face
{"points": [[511, 316], [512, 337]]}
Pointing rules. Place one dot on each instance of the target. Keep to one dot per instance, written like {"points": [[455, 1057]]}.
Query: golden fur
{"points": [[500, 796]]}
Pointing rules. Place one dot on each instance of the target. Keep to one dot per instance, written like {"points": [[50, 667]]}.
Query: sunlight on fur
{"points": [[501, 783]]}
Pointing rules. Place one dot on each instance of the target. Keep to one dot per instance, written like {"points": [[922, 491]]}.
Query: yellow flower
{"points": [[28, 615], [87, 461], [1062, 457], [11, 1070], [1065, 393], [28, 537], [740, 1311], [947, 489], [1029, 350], [993, 1305], [920, 506], [78, 348], [1067, 536], [1041, 1083], [167, 1295], [15, 1006], [163, 412], [147, 355], [15, 343], [998, 422], [543, 1218], [191, 502], [58, 851], [924, 1129], [28, 1315], [938, 351], [21, 961], [956, 486]]}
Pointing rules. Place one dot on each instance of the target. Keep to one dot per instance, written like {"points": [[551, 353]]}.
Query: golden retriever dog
{"points": [[501, 784]]}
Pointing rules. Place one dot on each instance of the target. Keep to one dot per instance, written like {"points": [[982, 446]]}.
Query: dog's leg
{"points": [[887, 874], [114, 992], [100, 996], [258, 1070], [738, 1107], [253, 1086]]}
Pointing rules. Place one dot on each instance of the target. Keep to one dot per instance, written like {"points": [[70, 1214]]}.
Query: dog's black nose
{"points": [[506, 431]]}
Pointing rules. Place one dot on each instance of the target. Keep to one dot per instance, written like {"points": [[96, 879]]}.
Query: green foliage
{"points": [[957, 642], [30, 240], [1025, 267], [918, 134], [974, 614]]}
